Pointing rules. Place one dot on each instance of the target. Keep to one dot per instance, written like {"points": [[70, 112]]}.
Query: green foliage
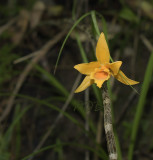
{"points": [[5, 138], [59, 149], [6, 67], [141, 104]]}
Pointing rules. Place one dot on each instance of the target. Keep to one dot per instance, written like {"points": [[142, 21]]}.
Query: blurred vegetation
{"points": [[40, 116]]}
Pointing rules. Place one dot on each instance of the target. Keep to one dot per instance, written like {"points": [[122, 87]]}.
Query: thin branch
{"points": [[28, 68], [48, 133], [24, 58], [147, 43], [7, 25], [125, 107]]}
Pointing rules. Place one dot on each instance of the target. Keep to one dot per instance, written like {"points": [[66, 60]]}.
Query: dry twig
{"points": [[147, 43], [7, 25]]}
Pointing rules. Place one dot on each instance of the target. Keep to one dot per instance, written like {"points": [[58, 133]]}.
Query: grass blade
{"points": [[63, 44], [93, 16], [83, 54], [6, 139]]}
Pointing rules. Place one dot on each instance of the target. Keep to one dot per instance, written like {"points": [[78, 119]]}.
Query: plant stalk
{"points": [[111, 145]]}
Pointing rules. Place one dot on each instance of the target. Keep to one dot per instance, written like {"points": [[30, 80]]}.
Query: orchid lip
{"points": [[100, 75]]}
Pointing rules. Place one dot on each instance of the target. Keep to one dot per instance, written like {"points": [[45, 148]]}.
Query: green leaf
{"points": [[128, 15], [83, 54]]}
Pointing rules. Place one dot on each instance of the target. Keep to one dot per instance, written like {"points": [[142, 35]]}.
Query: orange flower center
{"points": [[101, 75]]}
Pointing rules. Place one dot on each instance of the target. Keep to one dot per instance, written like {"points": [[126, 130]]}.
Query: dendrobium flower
{"points": [[101, 70]]}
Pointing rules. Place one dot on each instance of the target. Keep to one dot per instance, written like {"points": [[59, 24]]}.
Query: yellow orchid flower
{"points": [[101, 70]]}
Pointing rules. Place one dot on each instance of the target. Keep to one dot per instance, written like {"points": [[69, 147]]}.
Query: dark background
{"points": [[32, 96]]}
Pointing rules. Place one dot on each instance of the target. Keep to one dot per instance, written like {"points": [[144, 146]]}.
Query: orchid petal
{"points": [[114, 67], [123, 79], [99, 83], [102, 51], [87, 68], [85, 84]]}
